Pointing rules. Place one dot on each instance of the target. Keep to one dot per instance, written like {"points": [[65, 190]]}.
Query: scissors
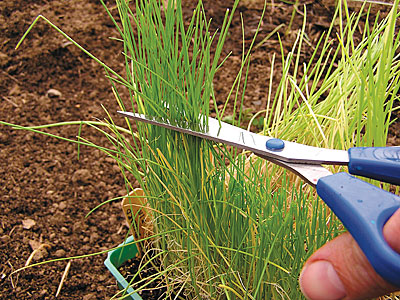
{"points": [[362, 207]]}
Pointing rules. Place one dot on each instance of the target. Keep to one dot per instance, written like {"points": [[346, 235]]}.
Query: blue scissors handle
{"points": [[381, 163], [364, 209]]}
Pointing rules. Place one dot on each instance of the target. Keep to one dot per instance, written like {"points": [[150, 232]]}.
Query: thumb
{"points": [[340, 270]]}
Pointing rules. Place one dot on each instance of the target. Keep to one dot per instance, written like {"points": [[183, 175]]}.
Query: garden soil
{"points": [[46, 190]]}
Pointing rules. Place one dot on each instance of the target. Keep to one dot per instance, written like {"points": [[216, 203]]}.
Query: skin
{"points": [[340, 270]]}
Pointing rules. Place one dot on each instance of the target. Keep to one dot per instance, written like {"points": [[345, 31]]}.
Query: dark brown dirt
{"points": [[45, 191]]}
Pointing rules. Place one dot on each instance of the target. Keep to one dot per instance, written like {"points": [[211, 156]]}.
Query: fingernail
{"points": [[319, 281]]}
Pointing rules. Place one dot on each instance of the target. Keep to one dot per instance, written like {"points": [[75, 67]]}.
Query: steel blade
{"points": [[225, 133]]}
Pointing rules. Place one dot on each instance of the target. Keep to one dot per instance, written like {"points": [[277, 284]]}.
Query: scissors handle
{"points": [[364, 209], [381, 163]]}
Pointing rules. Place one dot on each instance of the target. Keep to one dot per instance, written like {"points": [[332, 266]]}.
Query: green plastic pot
{"points": [[115, 259]]}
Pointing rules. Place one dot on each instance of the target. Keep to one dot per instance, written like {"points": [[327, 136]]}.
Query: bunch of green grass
{"points": [[358, 94], [357, 83], [226, 225]]}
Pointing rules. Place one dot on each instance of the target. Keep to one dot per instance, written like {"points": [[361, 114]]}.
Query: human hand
{"points": [[340, 270]]}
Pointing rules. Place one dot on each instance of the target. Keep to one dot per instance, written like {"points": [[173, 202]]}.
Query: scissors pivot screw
{"points": [[275, 144]]}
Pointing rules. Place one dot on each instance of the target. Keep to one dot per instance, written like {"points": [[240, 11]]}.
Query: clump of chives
{"points": [[172, 64]]}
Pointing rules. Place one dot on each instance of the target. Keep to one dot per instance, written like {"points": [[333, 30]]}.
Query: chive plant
{"points": [[228, 225], [358, 92]]}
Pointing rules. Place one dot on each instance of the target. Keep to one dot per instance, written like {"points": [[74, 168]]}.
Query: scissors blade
{"points": [[225, 133]]}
